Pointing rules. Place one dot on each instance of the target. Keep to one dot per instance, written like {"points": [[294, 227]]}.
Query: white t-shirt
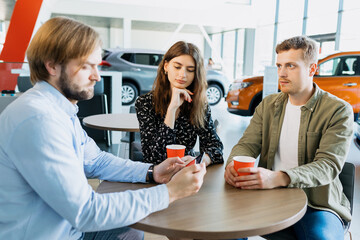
{"points": [[286, 156]]}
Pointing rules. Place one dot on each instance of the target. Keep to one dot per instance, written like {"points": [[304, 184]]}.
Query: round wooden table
{"points": [[220, 211], [126, 122], [114, 122]]}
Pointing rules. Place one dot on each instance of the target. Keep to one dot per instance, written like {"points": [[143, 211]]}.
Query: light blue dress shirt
{"points": [[45, 159]]}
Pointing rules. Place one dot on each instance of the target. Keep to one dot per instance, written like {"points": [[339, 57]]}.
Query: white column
{"points": [[127, 33], [115, 39]]}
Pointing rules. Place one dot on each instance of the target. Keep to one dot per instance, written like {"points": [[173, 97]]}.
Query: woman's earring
{"points": [[165, 72]]}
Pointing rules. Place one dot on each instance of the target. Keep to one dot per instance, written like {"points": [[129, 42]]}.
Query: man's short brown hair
{"points": [[309, 47], [59, 40]]}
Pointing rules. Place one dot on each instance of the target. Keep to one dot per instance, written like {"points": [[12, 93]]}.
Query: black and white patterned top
{"points": [[155, 134]]}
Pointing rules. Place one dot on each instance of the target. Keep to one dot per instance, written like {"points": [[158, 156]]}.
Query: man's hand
{"points": [[186, 182], [260, 178], [187, 159], [165, 170]]}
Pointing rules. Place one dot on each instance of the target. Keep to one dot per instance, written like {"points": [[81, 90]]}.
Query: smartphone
{"points": [[199, 159]]}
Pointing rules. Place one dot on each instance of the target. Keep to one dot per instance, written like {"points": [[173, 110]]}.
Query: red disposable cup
{"points": [[243, 162], [175, 150], [192, 162]]}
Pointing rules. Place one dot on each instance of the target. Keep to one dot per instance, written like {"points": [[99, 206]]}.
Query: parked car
{"points": [[139, 68], [338, 74], [357, 133]]}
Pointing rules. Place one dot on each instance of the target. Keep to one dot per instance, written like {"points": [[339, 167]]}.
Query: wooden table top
{"points": [[220, 211], [114, 122]]}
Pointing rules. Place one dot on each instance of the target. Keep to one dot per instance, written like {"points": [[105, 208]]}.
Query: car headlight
{"points": [[239, 85]]}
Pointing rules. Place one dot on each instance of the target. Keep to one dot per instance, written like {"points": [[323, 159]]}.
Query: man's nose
{"points": [[95, 74], [282, 72]]}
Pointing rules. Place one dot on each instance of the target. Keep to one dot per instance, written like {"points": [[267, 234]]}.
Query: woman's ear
{"points": [[166, 64], [52, 68]]}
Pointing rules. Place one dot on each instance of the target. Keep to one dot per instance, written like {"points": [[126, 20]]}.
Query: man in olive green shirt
{"points": [[303, 136]]}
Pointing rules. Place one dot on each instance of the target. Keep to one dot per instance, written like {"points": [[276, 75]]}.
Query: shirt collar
{"points": [[55, 96], [310, 104]]}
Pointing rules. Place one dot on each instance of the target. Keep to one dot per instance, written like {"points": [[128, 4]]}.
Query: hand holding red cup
{"points": [[243, 162]]}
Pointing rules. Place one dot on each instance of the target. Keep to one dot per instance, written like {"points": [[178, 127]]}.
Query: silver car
{"points": [[139, 69]]}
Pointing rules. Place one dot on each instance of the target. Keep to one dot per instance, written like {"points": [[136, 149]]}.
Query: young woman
{"points": [[176, 110]]}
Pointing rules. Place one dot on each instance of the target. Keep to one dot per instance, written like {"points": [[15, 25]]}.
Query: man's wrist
{"points": [[283, 179]]}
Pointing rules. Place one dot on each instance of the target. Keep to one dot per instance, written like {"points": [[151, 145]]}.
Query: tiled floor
{"points": [[231, 129]]}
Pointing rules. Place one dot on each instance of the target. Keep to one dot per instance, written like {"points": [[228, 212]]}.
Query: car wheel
{"points": [[129, 93], [214, 94]]}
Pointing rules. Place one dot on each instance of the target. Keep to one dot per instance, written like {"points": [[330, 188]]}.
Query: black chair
{"points": [[135, 153], [347, 179], [97, 105], [24, 83]]}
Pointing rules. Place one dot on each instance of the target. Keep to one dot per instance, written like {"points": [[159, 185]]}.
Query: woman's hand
{"points": [[178, 97]]}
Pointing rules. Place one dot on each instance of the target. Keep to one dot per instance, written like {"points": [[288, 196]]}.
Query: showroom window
{"points": [[322, 16], [290, 22], [350, 36]]}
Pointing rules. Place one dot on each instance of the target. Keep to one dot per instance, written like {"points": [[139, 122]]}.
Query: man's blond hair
{"points": [[309, 47], [59, 40]]}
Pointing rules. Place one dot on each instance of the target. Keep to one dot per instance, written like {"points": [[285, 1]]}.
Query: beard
{"points": [[71, 90]]}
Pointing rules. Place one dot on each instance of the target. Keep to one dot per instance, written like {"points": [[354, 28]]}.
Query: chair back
{"points": [[96, 105], [347, 178]]}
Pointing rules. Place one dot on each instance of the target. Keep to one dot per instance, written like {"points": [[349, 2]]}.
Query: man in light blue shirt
{"points": [[46, 156]]}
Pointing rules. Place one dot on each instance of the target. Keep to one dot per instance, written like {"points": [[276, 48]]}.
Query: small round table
{"points": [[220, 211], [126, 122]]}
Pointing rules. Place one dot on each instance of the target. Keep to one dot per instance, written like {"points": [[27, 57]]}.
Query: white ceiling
{"points": [[156, 15]]}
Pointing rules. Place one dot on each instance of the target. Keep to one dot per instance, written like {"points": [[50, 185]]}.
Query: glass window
{"points": [[342, 66], [265, 10], [350, 36], [289, 29], [322, 19], [145, 59], [263, 48], [328, 68], [290, 10], [351, 4], [127, 57], [142, 58]]}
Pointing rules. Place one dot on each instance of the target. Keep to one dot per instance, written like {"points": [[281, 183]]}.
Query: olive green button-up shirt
{"points": [[325, 134]]}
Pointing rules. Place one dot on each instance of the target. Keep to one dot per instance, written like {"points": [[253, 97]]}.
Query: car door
{"points": [[144, 69], [341, 76]]}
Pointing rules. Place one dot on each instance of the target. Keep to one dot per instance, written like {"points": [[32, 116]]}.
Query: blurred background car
{"points": [[338, 74], [139, 69], [357, 133]]}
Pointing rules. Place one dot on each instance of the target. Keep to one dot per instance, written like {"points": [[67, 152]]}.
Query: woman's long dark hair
{"points": [[162, 88]]}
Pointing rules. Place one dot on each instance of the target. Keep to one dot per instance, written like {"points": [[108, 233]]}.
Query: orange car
{"points": [[338, 74]]}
